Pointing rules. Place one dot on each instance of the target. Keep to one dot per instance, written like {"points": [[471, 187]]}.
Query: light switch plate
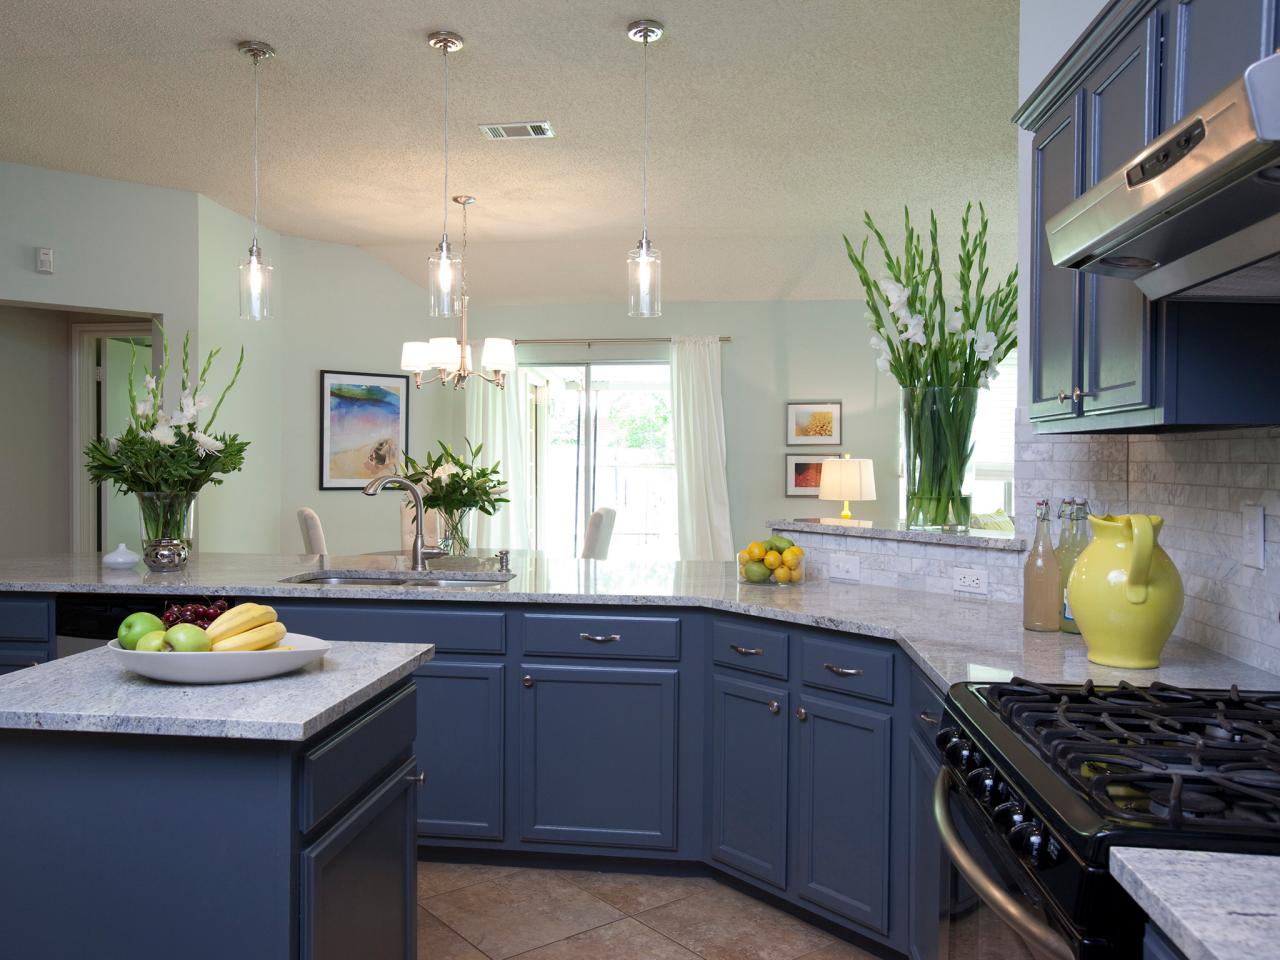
{"points": [[845, 566], [969, 580], [1253, 525]]}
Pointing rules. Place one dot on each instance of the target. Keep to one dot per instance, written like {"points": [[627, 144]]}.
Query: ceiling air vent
{"points": [[531, 130]]}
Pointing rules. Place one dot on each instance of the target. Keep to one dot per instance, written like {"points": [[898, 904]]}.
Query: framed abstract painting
{"points": [[804, 473], [364, 426], [813, 423]]}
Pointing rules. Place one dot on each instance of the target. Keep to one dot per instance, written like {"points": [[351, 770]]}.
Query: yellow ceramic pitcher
{"points": [[1125, 593]]}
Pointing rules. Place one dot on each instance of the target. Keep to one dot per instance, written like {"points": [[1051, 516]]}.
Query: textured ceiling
{"points": [[769, 136]]}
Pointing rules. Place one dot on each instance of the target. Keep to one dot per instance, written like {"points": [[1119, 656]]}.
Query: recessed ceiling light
{"points": [[518, 130]]}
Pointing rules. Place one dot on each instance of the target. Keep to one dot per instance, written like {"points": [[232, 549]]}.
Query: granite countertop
{"points": [[977, 539], [1211, 906], [91, 692], [950, 639]]}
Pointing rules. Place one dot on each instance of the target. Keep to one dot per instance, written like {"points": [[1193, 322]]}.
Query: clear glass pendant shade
{"points": [[644, 281], [444, 282], [255, 286]]}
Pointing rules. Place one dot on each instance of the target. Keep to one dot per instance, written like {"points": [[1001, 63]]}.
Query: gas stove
{"points": [[1049, 777]]}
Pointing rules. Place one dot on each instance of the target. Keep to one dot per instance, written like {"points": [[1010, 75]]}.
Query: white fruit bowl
{"points": [[224, 667]]}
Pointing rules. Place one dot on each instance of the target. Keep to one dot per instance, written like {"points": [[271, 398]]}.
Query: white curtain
{"points": [[702, 487], [497, 419]]}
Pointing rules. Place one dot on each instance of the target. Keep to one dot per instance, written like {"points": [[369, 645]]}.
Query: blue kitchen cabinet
{"points": [[27, 633], [1208, 44], [597, 755], [749, 754], [842, 802], [460, 747], [929, 871]]}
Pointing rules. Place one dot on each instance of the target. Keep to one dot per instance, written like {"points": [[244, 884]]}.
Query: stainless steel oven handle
{"points": [[1038, 934]]}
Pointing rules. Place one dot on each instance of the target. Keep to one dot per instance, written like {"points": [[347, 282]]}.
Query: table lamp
{"points": [[846, 480]]}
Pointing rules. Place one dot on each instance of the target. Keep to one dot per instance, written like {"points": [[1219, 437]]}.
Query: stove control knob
{"points": [[946, 736], [982, 783], [1026, 838], [960, 752], [1008, 815]]}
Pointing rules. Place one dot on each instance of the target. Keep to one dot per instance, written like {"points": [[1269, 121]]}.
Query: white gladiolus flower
{"points": [[895, 295], [149, 382], [882, 363], [207, 444], [113, 445], [163, 434], [984, 344], [993, 371], [914, 331], [955, 323], [144, 407], [877, 342], [983, 382]]}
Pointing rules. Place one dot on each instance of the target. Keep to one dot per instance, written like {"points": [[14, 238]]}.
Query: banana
{"points": [[265, 635], [240, 618]]}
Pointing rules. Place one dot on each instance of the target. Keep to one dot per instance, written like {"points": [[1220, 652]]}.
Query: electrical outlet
{"points": [[1254, 520], [845, 566], [969, 580]]}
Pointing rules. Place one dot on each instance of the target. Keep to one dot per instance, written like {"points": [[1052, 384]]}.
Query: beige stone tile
{"points": [[625, 939], [722, 924], [436, 877], [438, 942], [520, 911], [636, 892]]}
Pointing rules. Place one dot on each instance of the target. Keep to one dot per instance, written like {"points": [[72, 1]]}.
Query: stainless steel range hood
{"points": [[1196, 215]]}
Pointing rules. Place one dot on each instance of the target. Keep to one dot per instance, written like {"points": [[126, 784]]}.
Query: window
{"points": [[600, 436]]}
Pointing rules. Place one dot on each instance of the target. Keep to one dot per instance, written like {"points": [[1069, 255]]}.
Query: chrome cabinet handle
{"points": [[929, 718], [802, 713], [1007, 907], [774, 706], [843, 671], [600, 638], [527, 680], [1075, 395], [420, 779], [746, 651]]}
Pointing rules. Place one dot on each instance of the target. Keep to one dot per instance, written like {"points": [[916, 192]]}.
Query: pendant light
{"points": [[644, 263], [444, 287], [449, 358], [255, 271]]}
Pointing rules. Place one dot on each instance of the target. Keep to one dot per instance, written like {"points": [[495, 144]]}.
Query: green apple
{"points": [[152, 642], [187, 638], [135, 626]]}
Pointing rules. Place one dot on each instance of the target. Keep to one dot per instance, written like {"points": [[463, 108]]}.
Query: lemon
{"points": [[756, 550], [797, 574], [782, 574], [772, 560], [792, 557], [743, 557]]}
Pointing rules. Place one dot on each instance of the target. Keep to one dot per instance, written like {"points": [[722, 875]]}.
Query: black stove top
{"points": [[1161, 756]]}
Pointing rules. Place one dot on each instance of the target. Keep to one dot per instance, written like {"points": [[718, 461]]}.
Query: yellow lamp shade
{"points": [[847, 480]]}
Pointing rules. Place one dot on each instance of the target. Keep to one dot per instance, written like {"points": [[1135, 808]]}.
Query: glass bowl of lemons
{"points": [[776, 560]]}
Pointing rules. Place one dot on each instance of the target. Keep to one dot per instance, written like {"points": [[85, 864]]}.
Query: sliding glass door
{"points": [[600, 436]]}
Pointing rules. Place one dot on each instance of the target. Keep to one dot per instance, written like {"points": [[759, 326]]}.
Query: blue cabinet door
{"points": [[597, 760], [928, 873], [460, 749], [1057, 177], [749, 778], [842, 810], [1121, 107], [358, 882], [1208, 44]]}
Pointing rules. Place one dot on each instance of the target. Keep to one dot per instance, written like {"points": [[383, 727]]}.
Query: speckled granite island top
{"points": [[1212, 906], [90, 692], [952, 640]]}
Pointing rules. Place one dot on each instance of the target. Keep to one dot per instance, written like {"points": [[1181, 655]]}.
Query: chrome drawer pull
{"points": [[527, 680], [600, 638], [802, 713], [746, 651], [929, 718], [420, 779], [774, 706], [843, 671]]}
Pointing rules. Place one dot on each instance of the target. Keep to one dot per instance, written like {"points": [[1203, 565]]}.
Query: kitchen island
{"points": [[265, 819], [658, 710]]}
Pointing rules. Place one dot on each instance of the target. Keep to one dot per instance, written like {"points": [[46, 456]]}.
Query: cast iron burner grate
{"points": [[1160, 755]]}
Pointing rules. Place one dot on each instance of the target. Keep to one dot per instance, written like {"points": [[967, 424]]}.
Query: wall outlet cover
{"points": [[845, 566], [969, 580], [1253, 530], [44, 260]]}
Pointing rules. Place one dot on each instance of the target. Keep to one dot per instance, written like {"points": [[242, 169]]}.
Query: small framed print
{"points": [[364, 426], [812, 423], [804, 473]]}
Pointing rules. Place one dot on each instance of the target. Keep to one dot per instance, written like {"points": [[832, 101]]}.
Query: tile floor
{"points": [[474, 911]]}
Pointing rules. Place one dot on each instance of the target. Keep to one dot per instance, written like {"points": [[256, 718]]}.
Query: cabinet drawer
{"points": [[339, 766], [452, 631], [568, 635], [757, 649], [24, 620], [926, 707], [11, 660], [847, 667]]}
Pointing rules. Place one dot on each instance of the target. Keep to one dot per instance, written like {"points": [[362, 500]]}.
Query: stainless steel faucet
{"points": [[378, 484]]}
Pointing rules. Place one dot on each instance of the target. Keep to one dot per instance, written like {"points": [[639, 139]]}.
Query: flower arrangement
{"points": [[166, 456], [941, 357], [453, 486]]}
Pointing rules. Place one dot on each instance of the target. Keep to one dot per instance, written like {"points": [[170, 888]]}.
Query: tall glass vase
{"points": [[453, 532], [167, 519], [937, 429]]}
